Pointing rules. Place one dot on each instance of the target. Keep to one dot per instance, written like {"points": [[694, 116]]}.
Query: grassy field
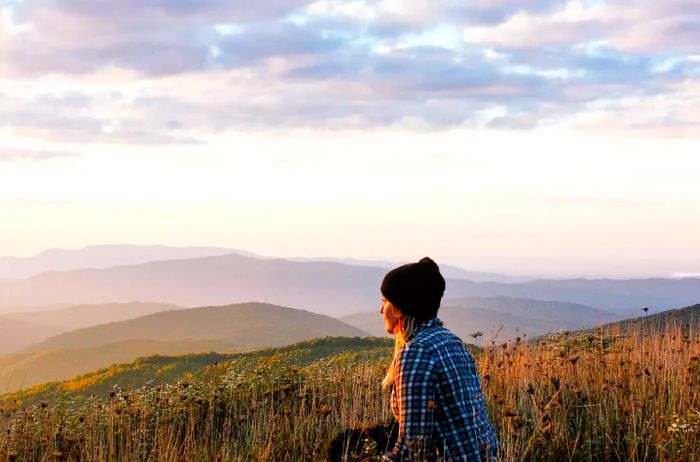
{"points": [[589, 396]]}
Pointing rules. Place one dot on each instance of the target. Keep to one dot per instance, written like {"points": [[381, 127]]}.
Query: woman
{"points": [[436, 395]]}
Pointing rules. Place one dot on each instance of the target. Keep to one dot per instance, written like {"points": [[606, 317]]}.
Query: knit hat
{"points": [[415, 289]]}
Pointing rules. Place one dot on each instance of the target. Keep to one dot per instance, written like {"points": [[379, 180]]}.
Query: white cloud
{"points": [[572, 23]]}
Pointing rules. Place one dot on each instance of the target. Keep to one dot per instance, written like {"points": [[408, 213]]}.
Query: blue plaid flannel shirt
{"points": [[438, 400]]}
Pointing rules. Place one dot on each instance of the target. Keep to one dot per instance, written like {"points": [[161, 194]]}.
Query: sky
{"points": [[518, 136]]}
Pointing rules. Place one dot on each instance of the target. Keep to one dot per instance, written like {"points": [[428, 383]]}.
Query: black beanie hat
{"points": [[416, 288]]}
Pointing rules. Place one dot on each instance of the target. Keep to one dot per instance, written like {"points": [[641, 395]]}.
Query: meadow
{"points": [[608, 395]]}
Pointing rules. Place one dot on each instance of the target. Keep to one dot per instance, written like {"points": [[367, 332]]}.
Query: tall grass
{"points": [[581, 397]]}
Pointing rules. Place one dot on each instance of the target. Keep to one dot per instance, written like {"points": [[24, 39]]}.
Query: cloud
{"points": [[12, 154], [628, 26], [177, 72]]}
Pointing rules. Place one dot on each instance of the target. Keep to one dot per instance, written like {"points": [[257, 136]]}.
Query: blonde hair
{"points": [[407, 327]]}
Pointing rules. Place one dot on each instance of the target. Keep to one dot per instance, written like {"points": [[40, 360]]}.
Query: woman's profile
{"points": [[436, 393]]}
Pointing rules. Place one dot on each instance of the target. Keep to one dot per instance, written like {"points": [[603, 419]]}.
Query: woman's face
{"points": [[391, 316]]}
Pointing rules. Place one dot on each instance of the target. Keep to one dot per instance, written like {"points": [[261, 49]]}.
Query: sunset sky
{"points": [[526, 137]]}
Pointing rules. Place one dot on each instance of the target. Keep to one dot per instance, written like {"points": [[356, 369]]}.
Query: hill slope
{"points": [[26, 369], [168, 369], [224, 329], [687, 317], [245, 325]]}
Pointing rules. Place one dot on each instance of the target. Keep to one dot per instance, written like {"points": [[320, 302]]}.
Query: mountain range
{"points": [[101, 256], [500, 318], [107, 256], [330, 288]]}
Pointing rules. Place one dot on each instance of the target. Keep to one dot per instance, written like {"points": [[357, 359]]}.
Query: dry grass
{"points": [[584, 397]]}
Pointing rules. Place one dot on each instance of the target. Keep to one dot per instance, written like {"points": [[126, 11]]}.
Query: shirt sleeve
{"points": [[414, 389]]}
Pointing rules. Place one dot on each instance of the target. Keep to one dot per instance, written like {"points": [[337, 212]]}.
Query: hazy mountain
{"points": [[625, 296], [245, 325], [22, 370], [75, 317], [101, 256], [18, 334], [447, 271], [5, 310], [334, 289], [107, 256], [536, 309], [508, 316], [328, 288]]}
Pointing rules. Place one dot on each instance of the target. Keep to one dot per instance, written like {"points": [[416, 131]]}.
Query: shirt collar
{"points": [[430, 323]]}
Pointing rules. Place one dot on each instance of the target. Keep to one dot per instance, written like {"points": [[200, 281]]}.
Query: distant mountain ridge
{"points": [[111, 255], [508, 317], [334, 289], [447, 271], [535, 309], [101, 256], [624, 296], [328, 288]]}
